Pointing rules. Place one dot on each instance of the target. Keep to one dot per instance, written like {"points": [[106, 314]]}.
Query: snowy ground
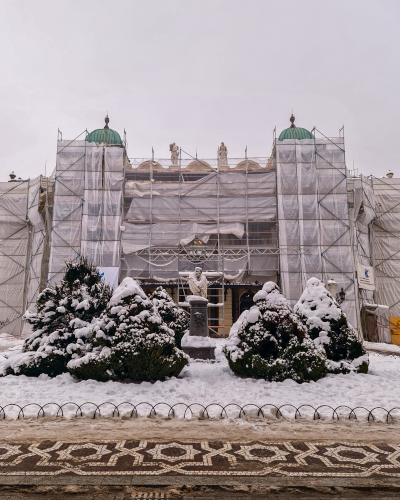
{"points": [[8, 341], [388, 349], [206, 382]]}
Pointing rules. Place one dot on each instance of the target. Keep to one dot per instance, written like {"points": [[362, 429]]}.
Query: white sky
{"points": [[198, 72]]}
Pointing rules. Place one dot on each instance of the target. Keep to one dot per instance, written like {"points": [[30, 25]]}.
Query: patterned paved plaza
{"points": [[288, 459]]}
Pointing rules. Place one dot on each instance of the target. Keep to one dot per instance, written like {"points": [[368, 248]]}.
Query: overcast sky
{"points": [[199, 72]]}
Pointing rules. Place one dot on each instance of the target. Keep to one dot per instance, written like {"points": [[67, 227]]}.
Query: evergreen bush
{"points": [[328, 326], [62, 321], [175, 317], [130, 341], [271, 343]]}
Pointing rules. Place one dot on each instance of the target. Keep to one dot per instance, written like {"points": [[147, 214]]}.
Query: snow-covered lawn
{"points": [[206, 382]]}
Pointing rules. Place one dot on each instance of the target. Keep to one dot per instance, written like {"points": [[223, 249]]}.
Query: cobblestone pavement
{"points": [[203, 458], [122, 469]]}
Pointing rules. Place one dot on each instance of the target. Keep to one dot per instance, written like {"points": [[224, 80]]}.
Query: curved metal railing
{"points": [[223, 411]]}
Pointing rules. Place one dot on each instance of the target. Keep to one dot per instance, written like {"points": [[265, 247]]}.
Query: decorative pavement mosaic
{"points": [[202, 458]]}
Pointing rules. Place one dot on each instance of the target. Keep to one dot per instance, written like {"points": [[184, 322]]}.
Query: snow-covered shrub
{"points": [[328, 326], [62, 321], [304, 361], [130, 341], [271, 343], [175, 317]]}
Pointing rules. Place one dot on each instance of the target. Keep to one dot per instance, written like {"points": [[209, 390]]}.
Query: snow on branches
{"points": [[271, 342], [130, 341], [62, 322], [175, 317], [328, 326]]}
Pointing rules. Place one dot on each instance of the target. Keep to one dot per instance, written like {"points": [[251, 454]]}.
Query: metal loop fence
{"points": [[128, 409]]}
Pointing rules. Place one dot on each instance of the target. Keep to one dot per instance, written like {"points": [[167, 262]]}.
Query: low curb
{"points": [[392, 484]]}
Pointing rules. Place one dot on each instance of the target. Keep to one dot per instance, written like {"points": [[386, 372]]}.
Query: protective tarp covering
{"points": [[36, 218], [362, 200], [68, 203], [87, 205], [223, 220], [13, 254], [102, 208], [314, 229], [137, 236], [385, 230]]}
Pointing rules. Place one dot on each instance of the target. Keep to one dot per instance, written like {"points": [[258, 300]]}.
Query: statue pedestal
{"points": [[198, 344]]}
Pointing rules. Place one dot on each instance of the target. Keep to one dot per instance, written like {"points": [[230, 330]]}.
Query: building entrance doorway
{"points": [[246, 301]]}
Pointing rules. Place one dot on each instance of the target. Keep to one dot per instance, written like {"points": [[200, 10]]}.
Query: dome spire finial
{"points": [[292, 119], [107, 120]]}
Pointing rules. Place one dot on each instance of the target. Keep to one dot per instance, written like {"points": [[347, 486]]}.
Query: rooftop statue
{"points": [[222, 155], [198, 283], [174, 148]]}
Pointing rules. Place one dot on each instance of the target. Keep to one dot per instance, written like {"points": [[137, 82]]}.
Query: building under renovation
{"points": [[286, 217]]}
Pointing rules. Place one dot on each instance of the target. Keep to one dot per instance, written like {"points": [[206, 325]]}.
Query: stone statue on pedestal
{"points": [[222, 155], [331, 287], [174, 148], [197, 342], [198, 283]]}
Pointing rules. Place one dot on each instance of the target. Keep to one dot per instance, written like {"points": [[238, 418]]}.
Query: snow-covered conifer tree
{"points": [[130, 341], [328, 326], [63, 320], [177, 319], [272, 343]]}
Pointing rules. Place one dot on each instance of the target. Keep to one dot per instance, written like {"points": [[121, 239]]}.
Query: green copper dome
{"points": [[105, 135], [294, 132]]}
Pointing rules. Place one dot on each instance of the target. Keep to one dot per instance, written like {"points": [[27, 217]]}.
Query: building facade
{"points": [[295, 214]]}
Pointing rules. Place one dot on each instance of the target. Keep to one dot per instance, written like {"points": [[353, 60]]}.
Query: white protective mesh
{"points": [[13, 254], [102, 209], [87, 205], [385, 229], [314, 229], [224, 219], [37, 239], [67, 209]]}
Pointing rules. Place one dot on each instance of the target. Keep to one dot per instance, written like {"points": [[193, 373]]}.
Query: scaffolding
{"points": [[67, 209], [102, 208], [286, 218], [87, 210], [184, 213], [385, 238], [14, 254], [37, 231], [361, 212], [313, 217]]}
